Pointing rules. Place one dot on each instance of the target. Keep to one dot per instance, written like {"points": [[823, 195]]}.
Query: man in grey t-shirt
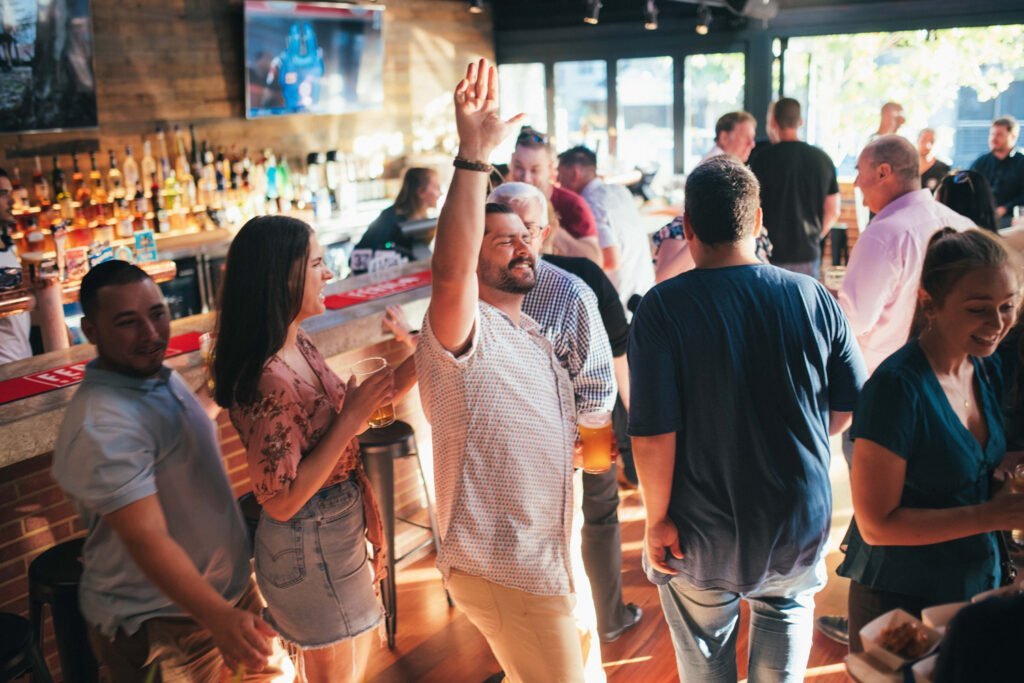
{"points": [[167, 581]]}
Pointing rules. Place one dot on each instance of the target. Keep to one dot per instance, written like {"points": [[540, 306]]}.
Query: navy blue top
{"points": [[1006, 176], [744, 363], [904, 409]]}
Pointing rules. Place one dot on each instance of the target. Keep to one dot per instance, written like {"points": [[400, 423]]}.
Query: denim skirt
{"points": [[314, 570]]}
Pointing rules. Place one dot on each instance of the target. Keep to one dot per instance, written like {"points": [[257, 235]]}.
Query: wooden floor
{"points": [[436, 644]]}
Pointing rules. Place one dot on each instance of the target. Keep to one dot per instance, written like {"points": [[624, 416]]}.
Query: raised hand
{"points": [[480, 127]]}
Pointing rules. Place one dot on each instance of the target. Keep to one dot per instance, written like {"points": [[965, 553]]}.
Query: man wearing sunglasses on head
{"points": [[533, 162]]}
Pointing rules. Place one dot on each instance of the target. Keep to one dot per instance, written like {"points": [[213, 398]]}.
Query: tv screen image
{"points": [[312, 58]]}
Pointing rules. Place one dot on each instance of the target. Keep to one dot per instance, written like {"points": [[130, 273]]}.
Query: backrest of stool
{"points": [[15, 638], [57, 569]]}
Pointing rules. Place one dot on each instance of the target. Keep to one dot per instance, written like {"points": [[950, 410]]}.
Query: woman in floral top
{"points": [[672, 253], [299, 422]]}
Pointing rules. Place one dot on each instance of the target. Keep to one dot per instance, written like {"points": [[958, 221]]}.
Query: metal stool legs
{"points": [[433, 517], [380, 469]]}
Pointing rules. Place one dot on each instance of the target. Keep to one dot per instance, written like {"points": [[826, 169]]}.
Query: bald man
{"points": [[879, 294]]}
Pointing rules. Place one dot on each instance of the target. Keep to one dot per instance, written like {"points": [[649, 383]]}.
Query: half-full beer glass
{"points": [[1017, 486], [384, 415], [596, 437]]}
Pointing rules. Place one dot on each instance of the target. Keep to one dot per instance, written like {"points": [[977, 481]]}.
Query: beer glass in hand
{"points": [[596, 437], [207, 342], [384, 415], [1017, 486]]}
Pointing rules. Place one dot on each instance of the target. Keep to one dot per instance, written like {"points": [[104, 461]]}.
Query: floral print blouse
{"points": [[287, 421], [674, 231]]}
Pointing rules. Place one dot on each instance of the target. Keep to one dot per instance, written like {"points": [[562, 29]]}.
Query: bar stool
{"points": [[19, 651], [380, 448], [53, 580]]}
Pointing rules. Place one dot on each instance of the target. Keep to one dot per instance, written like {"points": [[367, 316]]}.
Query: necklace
{"points": [[961, 396]]}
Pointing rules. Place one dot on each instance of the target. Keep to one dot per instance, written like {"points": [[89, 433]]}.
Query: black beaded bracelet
{"points": [[470, 165]]}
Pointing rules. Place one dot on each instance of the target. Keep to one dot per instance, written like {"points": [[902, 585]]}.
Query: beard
{"points": [[505, 279]]}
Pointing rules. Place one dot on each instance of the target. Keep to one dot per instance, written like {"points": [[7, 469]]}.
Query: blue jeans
{"points": [[703, 624]]}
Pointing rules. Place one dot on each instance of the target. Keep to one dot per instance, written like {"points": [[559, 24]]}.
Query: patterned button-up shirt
{"points": [[504, 424], [566, 310], [619, 225]]}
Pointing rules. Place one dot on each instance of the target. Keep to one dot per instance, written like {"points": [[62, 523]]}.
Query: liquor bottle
{"points": [[18, 191], [114, 178], [208, 180], [197, 157], [130, 172], [98, 193], [225, 168], [40, 188], [149, 173], [80, 192], [284, 183], [125, 219], [165, 163], [160, 217], [61, 193], [181, 165], [270, 168], [97, 188]]}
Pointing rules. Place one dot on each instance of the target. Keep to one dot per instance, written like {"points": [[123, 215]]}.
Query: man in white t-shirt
{"points": [[14, 329], [625, 247]]}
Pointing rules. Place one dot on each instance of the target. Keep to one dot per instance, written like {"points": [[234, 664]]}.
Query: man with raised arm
{"points": [[503, 417]]}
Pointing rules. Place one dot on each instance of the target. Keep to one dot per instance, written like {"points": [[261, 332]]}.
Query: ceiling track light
{"points": [[703, 20], [476, 6], [651, 15], [593, 12]]}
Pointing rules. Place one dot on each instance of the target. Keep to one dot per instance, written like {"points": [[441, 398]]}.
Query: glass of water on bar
{"points": [[384, 415]]}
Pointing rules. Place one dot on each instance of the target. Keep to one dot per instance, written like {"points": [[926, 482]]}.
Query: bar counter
{"points": [[28, 427]]}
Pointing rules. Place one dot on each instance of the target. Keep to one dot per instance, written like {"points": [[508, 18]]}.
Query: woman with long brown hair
{"points": [[299, 421], [929, 436]]}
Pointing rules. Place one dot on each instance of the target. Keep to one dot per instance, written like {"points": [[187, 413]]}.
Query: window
{"points": [[644, 122], [581, 106], [522, 91], [954, 80], [713, 86]]}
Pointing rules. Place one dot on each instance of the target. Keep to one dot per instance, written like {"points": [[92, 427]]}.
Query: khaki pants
{"points": [[533, 637], [177, 649]]}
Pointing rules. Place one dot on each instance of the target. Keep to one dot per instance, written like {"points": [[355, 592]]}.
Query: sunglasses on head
{"points": [[963, 177], [528, 134]]}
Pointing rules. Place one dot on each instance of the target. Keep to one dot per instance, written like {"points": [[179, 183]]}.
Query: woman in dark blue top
{"points": [[929, 435]]}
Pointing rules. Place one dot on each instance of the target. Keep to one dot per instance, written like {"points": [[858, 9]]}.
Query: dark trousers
{"points": [[602, 548], [620, 423], [840, 248], [867, 603]]}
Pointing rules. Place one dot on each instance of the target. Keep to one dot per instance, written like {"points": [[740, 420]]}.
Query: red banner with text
{"points": [[366, 293], [17, 388]]}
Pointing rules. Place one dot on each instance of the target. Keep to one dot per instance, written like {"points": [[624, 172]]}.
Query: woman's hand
{"points": [[361, 399], [396, 322], [1007, 510], [1010, 461]]}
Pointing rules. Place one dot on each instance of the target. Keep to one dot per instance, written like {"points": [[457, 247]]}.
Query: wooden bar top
{"points": [[28, 427]]}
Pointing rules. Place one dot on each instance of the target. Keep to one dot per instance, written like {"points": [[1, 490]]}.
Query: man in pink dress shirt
{"points": [[879, 294]]}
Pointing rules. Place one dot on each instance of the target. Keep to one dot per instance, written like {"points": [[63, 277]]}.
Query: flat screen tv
{"points": [[312, 58]]}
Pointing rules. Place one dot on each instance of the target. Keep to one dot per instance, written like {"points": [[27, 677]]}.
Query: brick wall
{"points": [[35, 515]]}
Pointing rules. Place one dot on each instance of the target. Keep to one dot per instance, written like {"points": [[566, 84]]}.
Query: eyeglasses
{"points": [[528, 134]]}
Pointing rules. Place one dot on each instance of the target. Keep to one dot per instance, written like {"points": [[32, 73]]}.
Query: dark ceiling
{"points": [[531, 14]]}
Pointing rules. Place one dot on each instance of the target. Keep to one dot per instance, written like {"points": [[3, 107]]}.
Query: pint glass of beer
{"points": [[207, 342], [1017, 486], [384, 415], [596, 436]]}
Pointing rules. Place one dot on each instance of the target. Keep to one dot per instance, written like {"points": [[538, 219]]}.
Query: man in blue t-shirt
{"points": [[740, 371]]}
